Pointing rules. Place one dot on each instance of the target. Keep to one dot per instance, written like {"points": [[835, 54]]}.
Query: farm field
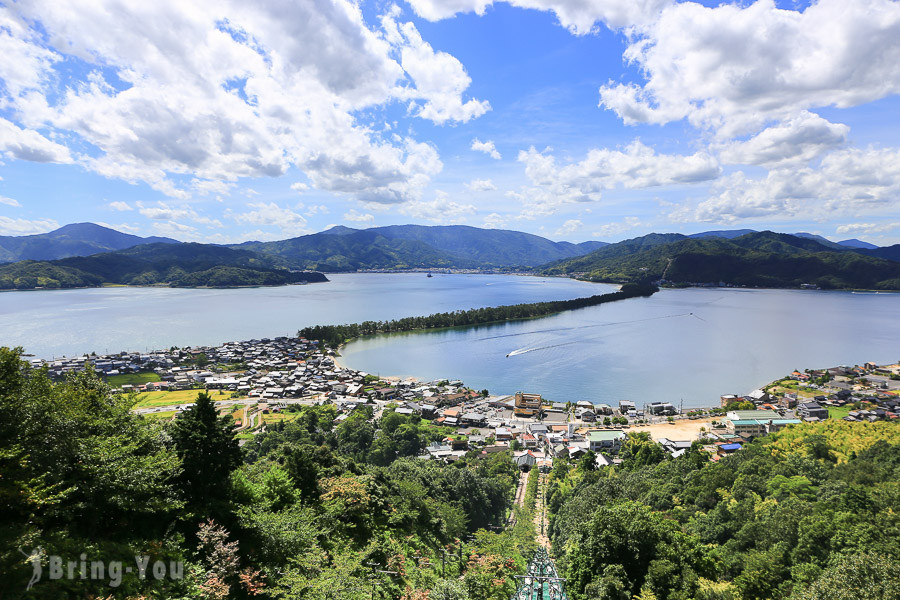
{"points": [[132, 379], [154, 399]]}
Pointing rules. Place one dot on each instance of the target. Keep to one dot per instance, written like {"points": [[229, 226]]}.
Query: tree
{"points": [[209, 453]]}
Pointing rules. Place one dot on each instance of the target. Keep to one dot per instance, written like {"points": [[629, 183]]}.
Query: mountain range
{"points": [[737, 257], [417, 246], [756, 259], [76, 239]]}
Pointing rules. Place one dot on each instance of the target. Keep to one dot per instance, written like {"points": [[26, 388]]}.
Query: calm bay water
{"points": [[688, 345], [73, 322], [642, 349]]}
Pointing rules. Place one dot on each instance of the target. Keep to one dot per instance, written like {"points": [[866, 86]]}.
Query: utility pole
{"points": [[374, 576]]}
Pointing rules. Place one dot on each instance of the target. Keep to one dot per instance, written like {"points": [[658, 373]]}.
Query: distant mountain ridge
{"points": [[76, 239], [174, 265], [418, 246], [760, 259]]}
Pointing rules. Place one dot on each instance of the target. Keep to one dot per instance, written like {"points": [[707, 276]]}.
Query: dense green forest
{"points": [[176, 265], [797, 515], [335, 335], [309, 510], [759, 259]]}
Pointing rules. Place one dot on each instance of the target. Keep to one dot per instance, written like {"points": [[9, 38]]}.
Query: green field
{"points": [[132, 379], [278, 417], [168, 414], [835, 412], [154, 399]]}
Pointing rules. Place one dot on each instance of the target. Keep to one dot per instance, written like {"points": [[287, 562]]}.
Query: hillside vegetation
{"points": [[300, 511], [77, 239], [417, 246], [782, 519], [176, 265], [763, 259]]}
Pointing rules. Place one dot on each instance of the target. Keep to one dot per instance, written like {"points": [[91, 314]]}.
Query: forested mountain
{"points": [[763, 259], [808, 513], [302, 511], [417, 246], [77, 239], [176, 265]]}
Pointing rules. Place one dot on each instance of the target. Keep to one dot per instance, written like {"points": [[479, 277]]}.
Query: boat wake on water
{"points": [[526, 350]]}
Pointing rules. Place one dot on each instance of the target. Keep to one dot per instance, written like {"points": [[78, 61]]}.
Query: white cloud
{"points": [[26, 144], [735, 68], [608, 230], [867, 228], [121, 227], [638, 166], [439, 79], [164, 212], [356, 217], [10, 226], [299, 187], [221, 91], [440, 210], [846, 182], [486, 147], [569, 227], [317, 209], [205, 187], [481, 185], [271, 214], [120, 206], [800, 139], [494, 221], [9, 201], [578, 16]]}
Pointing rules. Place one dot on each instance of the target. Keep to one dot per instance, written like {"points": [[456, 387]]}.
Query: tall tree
{"points": [[209, 453]]}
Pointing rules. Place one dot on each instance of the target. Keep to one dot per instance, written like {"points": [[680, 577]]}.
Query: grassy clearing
{"points": [[168, 414], [838, 412], [279, 417], [132, 379]]}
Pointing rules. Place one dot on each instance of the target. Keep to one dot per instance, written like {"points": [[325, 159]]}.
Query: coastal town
{"points": [[264, 382]]}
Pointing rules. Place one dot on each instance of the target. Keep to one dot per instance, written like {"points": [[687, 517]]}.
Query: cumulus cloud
{"points": [[742, 66], [356, 217], [486, 147], [481, 185], [578, 16], [164, 212], [637, 166], [569, 227], [798, 140], [27, 144], [438, 78], [299, 187], [608, 230], [9, 201], [120, 206], [226, 90], [271, 214], [9, 226], [440, 210], [846, 182], [867, 228], [494, 221]]}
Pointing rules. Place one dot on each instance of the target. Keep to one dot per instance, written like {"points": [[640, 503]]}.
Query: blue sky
{"points": [[572, 119]]}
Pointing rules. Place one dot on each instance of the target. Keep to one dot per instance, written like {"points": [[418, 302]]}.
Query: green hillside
{"points": [[762, 259], [77, 239], [416, 246], [176, 265]]}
